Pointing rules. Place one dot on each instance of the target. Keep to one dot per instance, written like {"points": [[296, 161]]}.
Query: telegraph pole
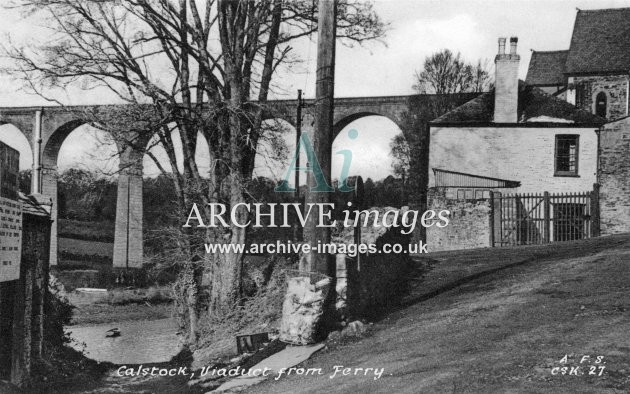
{"points": [[322, 135], [298, 134]]}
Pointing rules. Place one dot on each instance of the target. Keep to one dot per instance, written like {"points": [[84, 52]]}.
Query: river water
{"points": [[140, 341]]}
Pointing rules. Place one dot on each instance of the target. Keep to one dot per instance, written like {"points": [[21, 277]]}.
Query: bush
{"points": [[60, 365], [58, 314], [152, 295], [261, 312]]}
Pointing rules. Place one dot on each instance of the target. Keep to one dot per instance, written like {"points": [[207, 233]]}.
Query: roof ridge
{"points": [[555, 98], [605, 9], [532, 102], [554, 51]]}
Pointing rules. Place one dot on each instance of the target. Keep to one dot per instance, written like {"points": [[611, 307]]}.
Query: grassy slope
{"points": [[86, 248], [497, 332], [81, 242], [97, 231]]}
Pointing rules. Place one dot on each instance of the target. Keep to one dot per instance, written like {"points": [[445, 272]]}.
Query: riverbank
{"points": [[120, 305], [106, 313]]}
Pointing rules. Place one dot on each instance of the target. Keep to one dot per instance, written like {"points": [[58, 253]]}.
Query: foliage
{"points": [[446, 73], [24, 181], [152, 295], [85, 196], [58, 314], [401, 155], [261, 312]]}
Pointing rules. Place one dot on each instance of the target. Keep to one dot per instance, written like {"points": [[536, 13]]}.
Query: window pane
{"points": [[566, 153]]}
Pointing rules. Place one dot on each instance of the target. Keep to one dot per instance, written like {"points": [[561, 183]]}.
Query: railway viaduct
{"points": [[46, 128]]}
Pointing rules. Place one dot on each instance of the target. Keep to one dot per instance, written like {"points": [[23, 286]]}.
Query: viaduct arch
{"points": [[47, 127]]}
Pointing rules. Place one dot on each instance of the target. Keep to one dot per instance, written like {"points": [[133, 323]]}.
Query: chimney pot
{"points": [[502, 46], [513, 42], [506, 83]]}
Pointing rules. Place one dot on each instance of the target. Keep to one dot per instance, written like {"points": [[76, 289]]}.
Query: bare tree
{"points": [[218, 59], [447, 73], [481, 80]]}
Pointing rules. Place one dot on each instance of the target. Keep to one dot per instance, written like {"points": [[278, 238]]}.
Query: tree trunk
{"points": [[227, 267]]}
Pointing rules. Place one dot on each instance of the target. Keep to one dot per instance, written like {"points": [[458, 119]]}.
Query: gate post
{"points": [[547, 222], [491, 219], [595, 214]]}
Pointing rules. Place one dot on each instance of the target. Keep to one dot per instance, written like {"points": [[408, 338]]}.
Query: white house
{"points": [[516, 136]]}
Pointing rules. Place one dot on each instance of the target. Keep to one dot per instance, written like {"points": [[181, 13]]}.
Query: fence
{"points": [[526, 219]]}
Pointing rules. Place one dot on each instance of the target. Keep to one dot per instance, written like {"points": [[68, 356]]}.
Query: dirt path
{"points": [[499, 320]]}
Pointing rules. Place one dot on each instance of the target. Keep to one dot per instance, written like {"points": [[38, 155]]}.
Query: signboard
{"points": [[10, 215], [10, 239], [9, 171]]}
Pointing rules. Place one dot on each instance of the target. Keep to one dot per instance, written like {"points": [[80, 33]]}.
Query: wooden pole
{"points": [[547, 219], [298, 134], [322, 134], [491, 219], [595, 214]]}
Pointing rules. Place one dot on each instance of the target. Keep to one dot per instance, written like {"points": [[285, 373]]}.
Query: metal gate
{"points": [[526, 219]]}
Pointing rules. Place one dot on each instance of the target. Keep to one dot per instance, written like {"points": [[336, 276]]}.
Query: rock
{"points": [[354, 329], [334, 336], [302, 309], [238, 359]]}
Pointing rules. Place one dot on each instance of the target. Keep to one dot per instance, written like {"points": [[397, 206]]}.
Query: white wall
{"points": [[524, 154]]}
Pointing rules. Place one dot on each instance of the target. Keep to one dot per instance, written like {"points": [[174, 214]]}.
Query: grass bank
{"points": [[495, 321], [121, 305]]}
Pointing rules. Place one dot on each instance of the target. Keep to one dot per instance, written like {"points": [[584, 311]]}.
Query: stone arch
{"points": [[369, 142], [52, 144], [127, 249], [344, 119], [12, 135]]}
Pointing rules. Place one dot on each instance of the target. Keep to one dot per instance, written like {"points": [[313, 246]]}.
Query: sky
{"points": [[417, 29]]}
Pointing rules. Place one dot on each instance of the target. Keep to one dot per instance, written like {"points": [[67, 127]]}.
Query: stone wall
{"points": [[614, 177], [615, 87], [22, 303], [524, 154], [469, 225], [369, 284]]}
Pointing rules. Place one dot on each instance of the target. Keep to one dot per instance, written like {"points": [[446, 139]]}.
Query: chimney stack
{"points": [[506, 83]]}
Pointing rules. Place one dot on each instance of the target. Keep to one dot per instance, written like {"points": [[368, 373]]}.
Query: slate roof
{"points": [[532, 103], [547, 68], [600, 42]]}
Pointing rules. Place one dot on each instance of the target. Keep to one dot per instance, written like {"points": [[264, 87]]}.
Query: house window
{"points": [[567, 155], [600, 104]]}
